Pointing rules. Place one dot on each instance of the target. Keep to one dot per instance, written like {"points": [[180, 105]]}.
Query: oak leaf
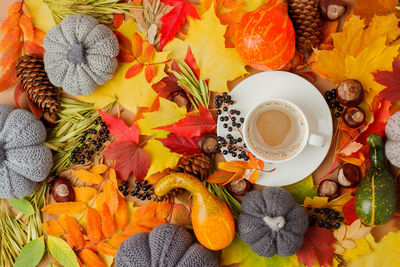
{"points": [[390, 79], [206, 39], [66, 208]]}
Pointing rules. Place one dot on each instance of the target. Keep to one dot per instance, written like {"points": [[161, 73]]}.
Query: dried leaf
{"points": [[90, 258], [33, 48], [27, 28], [107, 249], [88, 177], [100, 200], [74, 232], [52, 228], [93, 221], [111, 195], [121, 214], [150, 72], [119, 129], [11, 22], [181, 144], [181, 215], [99, 168], [107, 221], [148, 54], [232, 166], [134, 70], [8, 78], [353, 229], [254, 176], [135, 228], [35, 109], [349, 211], [219, 177], [137, 45], [84, 194], [118, 19], [124, 43], [10, 38], [118, 239], [366, 9], [147, 216], [112, 175], [124, 57], [14, 8], [11, 55], [391, 80], [66, 208]]}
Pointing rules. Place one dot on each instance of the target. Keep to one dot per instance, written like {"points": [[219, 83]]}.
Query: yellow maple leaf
{"points": [[130, 93], [206, 39], [41, 15], [322, 202], [168, 113], [358, 52], [385, 253], [368, 8], [160, 156]]}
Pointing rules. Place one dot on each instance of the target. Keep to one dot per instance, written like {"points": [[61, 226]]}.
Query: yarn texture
{"points": [[392, 146], [271, 222], [168, 245], [80, 54], [24, 160]]}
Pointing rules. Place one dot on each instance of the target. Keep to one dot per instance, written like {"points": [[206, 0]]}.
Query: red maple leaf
{"points": [[192, 125], [317, 244], [191, 61], [119, 129], [181, 144], [173, 20], [390, 79], [349, 211], [130, 158]]}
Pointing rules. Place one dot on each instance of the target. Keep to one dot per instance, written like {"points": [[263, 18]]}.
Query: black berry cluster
{"points": [[335, 106], [142, 190], [325, 217], [91, 142]]}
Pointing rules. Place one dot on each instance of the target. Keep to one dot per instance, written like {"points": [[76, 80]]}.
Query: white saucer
{"points": [[284, 85]]}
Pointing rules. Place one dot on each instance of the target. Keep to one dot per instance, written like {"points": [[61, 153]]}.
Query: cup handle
{"points": [[316, 140]]}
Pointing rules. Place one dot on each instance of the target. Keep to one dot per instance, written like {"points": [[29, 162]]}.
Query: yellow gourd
{"points": [[212, 220]]}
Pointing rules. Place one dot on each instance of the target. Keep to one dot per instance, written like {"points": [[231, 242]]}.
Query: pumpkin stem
{"points": [[275, 223]]}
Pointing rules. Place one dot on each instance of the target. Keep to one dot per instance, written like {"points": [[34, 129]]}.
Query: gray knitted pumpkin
{"points": [[80, 54], [272, 222], [168, 245], [24, 160], [392, 146]]}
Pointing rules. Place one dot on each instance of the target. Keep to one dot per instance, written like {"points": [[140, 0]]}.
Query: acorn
{"points": [[239, 187], [329, 188], [332, 9], [62, 190], [208, 143], [350, 93], [349, 175], [354, 117]]}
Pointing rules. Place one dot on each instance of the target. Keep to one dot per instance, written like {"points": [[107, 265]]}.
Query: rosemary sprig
{"points": [[102, 10], [198, 88]]}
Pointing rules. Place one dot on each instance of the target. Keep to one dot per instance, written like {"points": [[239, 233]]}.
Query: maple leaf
{"points": [[130, 159], [358, 52], [317, 243], [119, 129], [130, 93], [368, 8], [167, 86], [206, 39], [174, 19], [181, 144], [192, 125], [191, 61], [390, 79]]}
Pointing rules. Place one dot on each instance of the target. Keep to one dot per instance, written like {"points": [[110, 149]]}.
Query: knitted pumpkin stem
{"points": [[275, 223]]}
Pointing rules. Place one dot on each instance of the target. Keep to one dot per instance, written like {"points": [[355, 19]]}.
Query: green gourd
{"points": [[376, 196]]}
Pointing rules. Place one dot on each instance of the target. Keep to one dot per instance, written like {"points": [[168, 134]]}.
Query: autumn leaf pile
{"points": [[20, 37]]}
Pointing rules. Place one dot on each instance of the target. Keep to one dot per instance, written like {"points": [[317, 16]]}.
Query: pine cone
{"points": [[307, 24], [30, 70], [197, 165]]}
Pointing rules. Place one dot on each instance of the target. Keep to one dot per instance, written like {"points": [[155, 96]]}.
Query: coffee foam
{"points": [[291, 143]]}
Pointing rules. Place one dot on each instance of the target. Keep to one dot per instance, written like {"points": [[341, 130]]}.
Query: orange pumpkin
{"points": [[212, 220], [265, 38]]}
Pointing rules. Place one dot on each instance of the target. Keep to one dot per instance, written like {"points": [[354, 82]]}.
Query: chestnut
{"points": [[180, 98], [62, 190], [353, 117], [349, 175], [350, 93], [239, 187], [332, 9], [329, 188], [208, 143]]}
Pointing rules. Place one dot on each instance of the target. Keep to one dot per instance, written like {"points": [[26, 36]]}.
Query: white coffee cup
{"points": [[260, 150]]}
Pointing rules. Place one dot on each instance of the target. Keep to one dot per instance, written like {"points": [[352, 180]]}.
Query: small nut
{"points": [[239, 187], [62, 190], [180, 98], [208, 143], [332, 9], [328, 188], [349, 175], [354, 117], [350, 93]]}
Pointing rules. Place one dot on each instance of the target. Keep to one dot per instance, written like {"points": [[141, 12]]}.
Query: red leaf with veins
{"points": [[166, 86], [390, 79], [192, 125], [124, 43], [181, 144], [119, 129], [317, 244], [131, 159], [173, 20], [191, 61]]}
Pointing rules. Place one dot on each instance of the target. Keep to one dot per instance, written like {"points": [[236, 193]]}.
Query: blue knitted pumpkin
{"points": [[24, 160]]}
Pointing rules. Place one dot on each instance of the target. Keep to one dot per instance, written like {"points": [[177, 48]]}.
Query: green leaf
{"points": [[302, 189], [31, 254], [61, 251], [22, 205], [240, 252]]}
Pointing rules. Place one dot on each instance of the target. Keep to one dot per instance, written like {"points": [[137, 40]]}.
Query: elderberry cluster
{"points": [[142, 191], [325, 218], [330, 97], [91, 141]]}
